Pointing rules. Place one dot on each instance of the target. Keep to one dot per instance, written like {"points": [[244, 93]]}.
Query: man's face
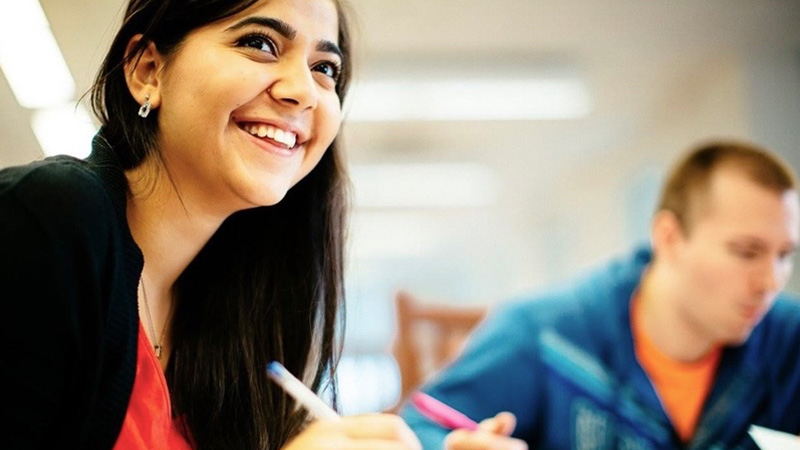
{"points": [[736, 257]]}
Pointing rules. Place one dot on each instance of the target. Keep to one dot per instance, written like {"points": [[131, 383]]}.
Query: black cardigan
{"points": [[69, 270]]}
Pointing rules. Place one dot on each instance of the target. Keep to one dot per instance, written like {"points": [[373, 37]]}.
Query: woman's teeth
{"points": [[286, 138]]}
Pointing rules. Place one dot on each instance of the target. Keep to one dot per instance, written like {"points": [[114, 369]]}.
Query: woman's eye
{"points": [[329, 69], [258, 42]]}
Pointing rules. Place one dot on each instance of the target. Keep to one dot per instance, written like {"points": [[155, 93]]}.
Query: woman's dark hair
{"points": [[268, 284]]}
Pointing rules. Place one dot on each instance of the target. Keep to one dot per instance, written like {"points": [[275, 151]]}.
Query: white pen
{"points": [[300, 392]]}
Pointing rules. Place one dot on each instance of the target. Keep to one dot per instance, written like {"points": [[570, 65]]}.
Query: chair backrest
{"points": [[428, 337]]}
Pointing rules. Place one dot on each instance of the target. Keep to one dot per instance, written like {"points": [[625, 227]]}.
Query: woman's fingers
{"points": [[380, 426], [375, 445], [367, 432]]}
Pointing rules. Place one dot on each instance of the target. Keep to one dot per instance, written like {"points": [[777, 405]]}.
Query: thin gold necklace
{"points": [[157, 347]]}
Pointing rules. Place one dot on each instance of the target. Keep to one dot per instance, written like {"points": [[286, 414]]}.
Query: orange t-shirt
{"points": [[148, 422], [681, 387]]}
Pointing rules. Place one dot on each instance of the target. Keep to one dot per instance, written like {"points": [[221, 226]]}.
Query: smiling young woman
{"points": [[151, 284]]}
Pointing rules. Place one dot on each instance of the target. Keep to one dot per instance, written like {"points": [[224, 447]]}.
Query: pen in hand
{"points": [[347, 432], [440, 413], [495, 431], [300, 392]]}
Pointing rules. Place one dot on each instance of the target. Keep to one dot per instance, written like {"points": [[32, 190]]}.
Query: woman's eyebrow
{"points": [[281, 27], [285, 30], [329, 47]]}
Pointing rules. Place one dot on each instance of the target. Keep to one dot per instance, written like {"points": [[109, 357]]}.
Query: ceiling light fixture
{"points": [[30, 58], [471, 99], [468, 89], [439, 185], [64, 130]]}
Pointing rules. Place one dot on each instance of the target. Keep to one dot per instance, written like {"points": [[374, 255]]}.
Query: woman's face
{"points": [[248, 105]]}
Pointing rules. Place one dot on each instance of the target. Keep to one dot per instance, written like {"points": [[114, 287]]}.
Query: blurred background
{"points": [[495, 146]]}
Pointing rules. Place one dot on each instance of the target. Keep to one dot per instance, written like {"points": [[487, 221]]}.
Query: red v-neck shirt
{"points": [[148, 421]]}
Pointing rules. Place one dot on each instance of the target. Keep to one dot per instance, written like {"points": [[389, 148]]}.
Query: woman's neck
{"points": [[168, 227], [170, 230]]}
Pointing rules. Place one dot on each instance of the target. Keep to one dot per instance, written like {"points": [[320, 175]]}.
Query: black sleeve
{"points": [[51, 262]]}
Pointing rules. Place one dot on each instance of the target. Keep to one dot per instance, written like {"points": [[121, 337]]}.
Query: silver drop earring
{"points": [[145, 109]]}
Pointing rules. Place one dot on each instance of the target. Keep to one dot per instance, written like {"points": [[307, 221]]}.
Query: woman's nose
{"points": [[294, 87]]}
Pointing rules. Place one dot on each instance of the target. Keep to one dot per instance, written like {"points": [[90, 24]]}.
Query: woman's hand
{"points": [[366, 432], [491, 435]]}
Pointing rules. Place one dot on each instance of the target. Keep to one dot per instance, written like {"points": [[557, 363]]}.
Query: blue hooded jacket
{"points": [[563, 362]]}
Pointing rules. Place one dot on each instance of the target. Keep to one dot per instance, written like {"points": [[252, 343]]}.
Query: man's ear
{"points": [[143, 72], [666, 234]]}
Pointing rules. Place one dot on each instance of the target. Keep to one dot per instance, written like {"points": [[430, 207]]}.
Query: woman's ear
{"points": [[143, 72]]}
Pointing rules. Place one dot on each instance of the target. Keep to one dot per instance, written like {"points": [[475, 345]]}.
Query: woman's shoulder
{"points": [[52, 175], [58, 190]]}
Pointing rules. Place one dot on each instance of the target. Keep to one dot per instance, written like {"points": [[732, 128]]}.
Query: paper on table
{"points": [[774, 440]]}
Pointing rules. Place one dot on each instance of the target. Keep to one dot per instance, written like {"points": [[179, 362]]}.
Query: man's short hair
{"points": [[689, 180]]}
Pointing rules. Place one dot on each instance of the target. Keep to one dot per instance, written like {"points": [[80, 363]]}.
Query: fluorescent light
{"points": [[30, 58], [469, 99], [64, 130], [424, 185], [381, 235]]}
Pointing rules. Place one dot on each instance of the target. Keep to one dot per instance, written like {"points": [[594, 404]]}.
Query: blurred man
{"points": [[684, 345]]}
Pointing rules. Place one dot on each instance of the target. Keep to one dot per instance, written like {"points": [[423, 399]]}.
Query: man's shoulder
{"points": [[563, 313], [602, 289], [778, 334], [785, 314], [774, 346]]}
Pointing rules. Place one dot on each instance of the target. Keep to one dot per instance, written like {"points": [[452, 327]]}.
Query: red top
{"points": [[148, 422]]}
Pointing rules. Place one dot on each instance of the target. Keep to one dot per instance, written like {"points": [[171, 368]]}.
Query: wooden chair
{"points": [[428, 337]]}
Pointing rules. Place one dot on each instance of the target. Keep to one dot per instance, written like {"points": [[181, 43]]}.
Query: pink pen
{"points": [[440, 413]]}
